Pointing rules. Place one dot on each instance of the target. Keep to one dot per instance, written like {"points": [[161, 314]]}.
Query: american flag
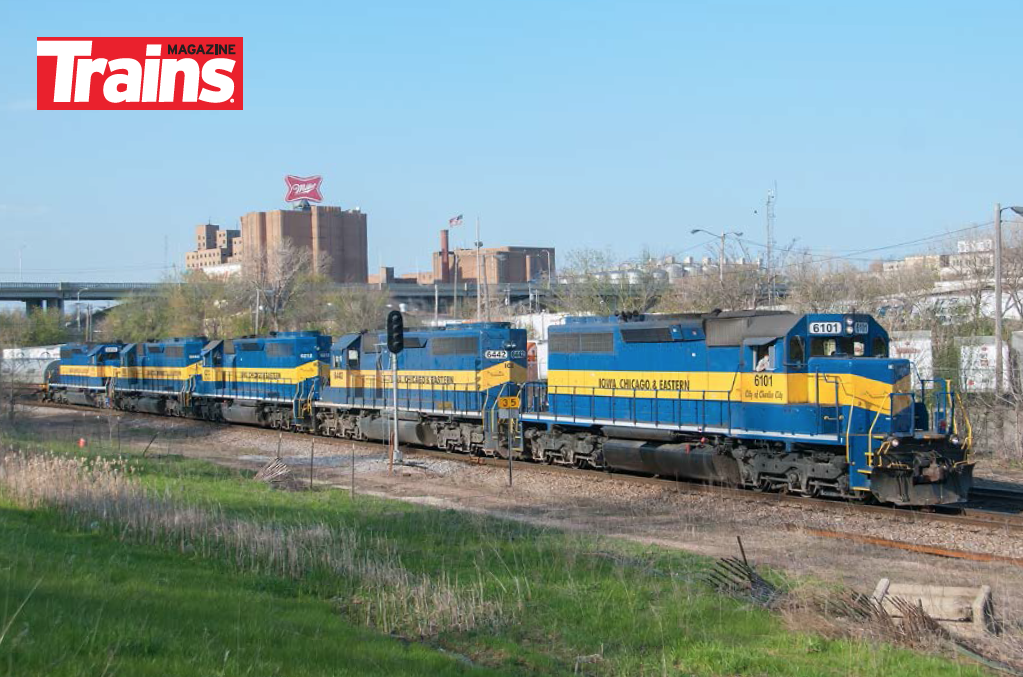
{"points": [[455, 220]]}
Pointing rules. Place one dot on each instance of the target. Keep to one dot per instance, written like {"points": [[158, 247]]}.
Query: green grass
{"points": [[105, 608], [561, 596]]}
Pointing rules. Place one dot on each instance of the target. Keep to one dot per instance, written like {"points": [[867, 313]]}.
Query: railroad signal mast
{"points": [[395, 344]]}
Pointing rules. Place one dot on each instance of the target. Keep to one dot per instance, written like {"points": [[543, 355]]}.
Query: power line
{"points": [[851, 256]]}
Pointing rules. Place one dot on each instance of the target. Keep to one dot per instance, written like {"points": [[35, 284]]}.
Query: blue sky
{"points": [[597, 124]]}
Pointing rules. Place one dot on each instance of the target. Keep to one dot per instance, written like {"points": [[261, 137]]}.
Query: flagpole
{"points": [[479, 275]]}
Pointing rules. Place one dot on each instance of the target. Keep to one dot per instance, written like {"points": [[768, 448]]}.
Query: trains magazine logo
{"points": [[138, 73], [303, 188]]}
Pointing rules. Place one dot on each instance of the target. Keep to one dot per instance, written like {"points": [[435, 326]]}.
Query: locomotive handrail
{"points": [[968, 440], [838, 406]]}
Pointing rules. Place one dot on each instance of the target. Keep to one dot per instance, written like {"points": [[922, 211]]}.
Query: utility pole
{"points": [[721, 261], [479, 273], [769, 217], [486, 285], [721, 255], [78, 308], [454, 286], [256, 328], [436, 304], [998, 301]]}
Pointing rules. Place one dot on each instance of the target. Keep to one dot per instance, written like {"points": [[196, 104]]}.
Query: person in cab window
{"points": [[763, 359]]}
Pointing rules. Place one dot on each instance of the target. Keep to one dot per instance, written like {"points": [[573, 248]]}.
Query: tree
{"points": [[351, 310], [742, 289], [275, 278], [36, 327], [140, 317], [595, 283], [205, 305]]}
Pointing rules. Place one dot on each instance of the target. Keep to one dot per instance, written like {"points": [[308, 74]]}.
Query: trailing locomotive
{"points": [[449, 380], [808, 404]]}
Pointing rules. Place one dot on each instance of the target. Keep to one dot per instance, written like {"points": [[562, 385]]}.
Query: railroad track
{"points": [[1002, 497], [969, 517]]}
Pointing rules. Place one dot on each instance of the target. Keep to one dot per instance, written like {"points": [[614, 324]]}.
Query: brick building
{"points": [[214, 247], [498, 265], [338, 233]]}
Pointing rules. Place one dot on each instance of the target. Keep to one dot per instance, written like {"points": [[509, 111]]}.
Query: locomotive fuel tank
{"points": [[239, 413], [409, 432], [151, 405], [80, 397], [683, 460]]}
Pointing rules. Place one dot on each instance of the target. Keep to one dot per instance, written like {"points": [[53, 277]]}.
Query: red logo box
{"points": [[139, 74]]}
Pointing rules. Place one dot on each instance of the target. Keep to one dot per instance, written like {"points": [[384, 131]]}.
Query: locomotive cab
{"points": [[85, 373], [901, 444]]}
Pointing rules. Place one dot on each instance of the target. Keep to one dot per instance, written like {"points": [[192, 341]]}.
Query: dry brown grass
{"points": [[838, 614], [371, 582]]}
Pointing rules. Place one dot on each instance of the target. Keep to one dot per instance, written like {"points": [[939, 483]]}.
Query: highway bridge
{"points": [[56, 294], [421, 297]]}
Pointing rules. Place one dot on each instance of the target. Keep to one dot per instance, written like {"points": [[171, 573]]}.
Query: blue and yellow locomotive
{"points": [[85, 374], [806, 404], [157, 377], [272, 381], [448, 380]]}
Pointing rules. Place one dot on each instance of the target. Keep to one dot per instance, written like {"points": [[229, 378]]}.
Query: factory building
{"points": [[214, 247], [338, 233], [498, 265]]}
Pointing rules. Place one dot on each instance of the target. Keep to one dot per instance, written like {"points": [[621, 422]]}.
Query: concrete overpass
{"points": [[422, 297], [56, 294]]}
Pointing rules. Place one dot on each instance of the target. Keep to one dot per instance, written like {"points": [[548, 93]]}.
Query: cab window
{"points": [[823, 347], [796, 353], [844, 346], [763, 358], [879, 348]]}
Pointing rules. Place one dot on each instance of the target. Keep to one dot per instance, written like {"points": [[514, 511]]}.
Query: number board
{"points": [[508, 403], [830, 328]]}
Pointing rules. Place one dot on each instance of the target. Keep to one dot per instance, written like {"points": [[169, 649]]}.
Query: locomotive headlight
{"points": [[955, 440], [849, 321], [849, 329], [895, 442]]}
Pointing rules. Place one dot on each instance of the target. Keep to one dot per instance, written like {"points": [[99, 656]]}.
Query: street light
{"points": [[78, 308], [721, 256], [998, 293]]}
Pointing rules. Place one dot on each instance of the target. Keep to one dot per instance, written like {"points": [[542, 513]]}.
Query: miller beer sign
{"points": [[303, 188]]}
